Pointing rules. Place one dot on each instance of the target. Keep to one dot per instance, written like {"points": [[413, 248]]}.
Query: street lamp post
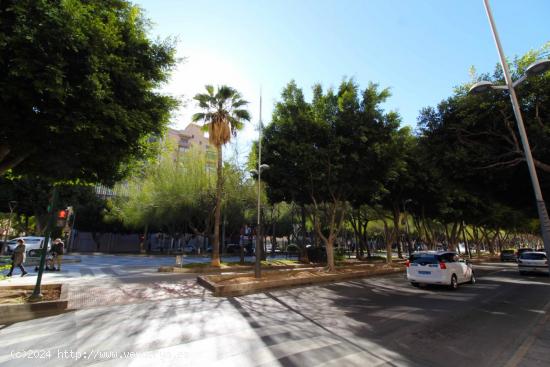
{"points": [[258, 249], [483, 86]]}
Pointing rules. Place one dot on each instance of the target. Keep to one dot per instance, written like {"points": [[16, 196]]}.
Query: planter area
{"points": [[15, 306], [232, 268], [241, 284]]}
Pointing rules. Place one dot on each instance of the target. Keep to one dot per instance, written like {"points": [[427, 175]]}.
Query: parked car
{"points": [[235, 248], [533, 262], [32, 245], [508, 255], [189, 249], [439, 267]]}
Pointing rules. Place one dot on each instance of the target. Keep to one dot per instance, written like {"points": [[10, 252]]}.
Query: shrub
{"points": [[339, 254], [292, 248], [317, 254]]}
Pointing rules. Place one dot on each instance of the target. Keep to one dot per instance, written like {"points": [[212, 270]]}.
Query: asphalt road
{"points": [[379, 321]]}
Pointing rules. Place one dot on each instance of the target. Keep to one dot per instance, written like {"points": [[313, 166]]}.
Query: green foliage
{"points": [[79, 81], [179, 196], [239, 199], [223, 114], [32, 194], [470, 150], [334, 147], [340, 254], [170, 195]]}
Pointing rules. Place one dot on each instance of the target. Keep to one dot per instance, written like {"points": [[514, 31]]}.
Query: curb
{"points": [[258, 287], [26, 311], [232, 269]]}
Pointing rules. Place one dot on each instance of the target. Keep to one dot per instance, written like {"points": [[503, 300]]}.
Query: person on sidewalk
{"points": [[58, 250], [18, 257]]}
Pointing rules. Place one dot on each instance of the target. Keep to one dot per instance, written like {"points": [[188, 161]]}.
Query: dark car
{"points": [[508, 255], [234, 248]]}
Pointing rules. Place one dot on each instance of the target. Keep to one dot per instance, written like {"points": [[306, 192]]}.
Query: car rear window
{"points": [[533, 256], [424, 259], [507, 251]]}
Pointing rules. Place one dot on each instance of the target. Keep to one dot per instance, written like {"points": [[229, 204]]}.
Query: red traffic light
{"points": [[62, 214]]}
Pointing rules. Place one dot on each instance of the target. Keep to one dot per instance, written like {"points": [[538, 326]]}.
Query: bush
{"points": [[374, 258], [2, 268], [317, 254], [292, 248], [339, 254]]}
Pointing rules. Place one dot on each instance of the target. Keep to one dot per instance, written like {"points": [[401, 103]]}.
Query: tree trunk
{"points": [[217, 215], [397, 235], [304, 257], [475, 235], [388, 241], [337, 213]]}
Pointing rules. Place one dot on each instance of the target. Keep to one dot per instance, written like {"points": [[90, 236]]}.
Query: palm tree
{"points": [[223, 116]]}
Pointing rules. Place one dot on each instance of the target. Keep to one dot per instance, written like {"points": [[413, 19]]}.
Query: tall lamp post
{"points": [[484, 86], [258, 247], [261, 167]]}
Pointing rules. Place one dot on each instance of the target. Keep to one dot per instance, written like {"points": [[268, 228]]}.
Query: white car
{"points": [[439, 267], [32, 244], [533, 261]]}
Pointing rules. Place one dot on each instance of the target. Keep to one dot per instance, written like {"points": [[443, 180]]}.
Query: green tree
{"points": [[223, 116], [79, 83], [172, 196], [473, 162], [328, 149]]}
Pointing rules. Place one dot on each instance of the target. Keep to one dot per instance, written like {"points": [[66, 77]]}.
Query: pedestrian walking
{"points": [[18, 258], [58, 249]]}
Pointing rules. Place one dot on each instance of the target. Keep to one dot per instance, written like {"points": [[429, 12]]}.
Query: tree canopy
{"points": [[78, 81], [329, 152]]}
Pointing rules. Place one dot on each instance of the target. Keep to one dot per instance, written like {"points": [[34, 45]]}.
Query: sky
{"points": [[420, 49]]}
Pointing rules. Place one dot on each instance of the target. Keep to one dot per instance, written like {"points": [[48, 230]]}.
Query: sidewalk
{"points": [[93, 294]]}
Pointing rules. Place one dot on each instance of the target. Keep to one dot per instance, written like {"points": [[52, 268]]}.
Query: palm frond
{"points": [[210, 89], [199, 116], [242, 114]]}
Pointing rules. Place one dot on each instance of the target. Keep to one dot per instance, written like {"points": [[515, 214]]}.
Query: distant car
{"points": [[439, 267], [189, 249], [32, 244], [234, 248], [533, 262], [522, 250], [508, 255]]}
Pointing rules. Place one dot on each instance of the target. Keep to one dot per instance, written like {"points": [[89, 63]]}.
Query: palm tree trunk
{"points": [[217, 214]]}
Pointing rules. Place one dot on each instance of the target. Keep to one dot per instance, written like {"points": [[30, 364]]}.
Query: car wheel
{"points": [[415, 284], [32, 253], [454, 282], [472, 279]]}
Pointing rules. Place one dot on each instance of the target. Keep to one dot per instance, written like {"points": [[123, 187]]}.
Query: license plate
{"points": [[424, 272]]}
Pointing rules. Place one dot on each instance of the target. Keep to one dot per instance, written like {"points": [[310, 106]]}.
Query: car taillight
{"points": [[407, 263], [442, 266]]}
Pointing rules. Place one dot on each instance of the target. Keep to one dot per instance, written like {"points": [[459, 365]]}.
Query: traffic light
{"points": [[62, 217]]}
